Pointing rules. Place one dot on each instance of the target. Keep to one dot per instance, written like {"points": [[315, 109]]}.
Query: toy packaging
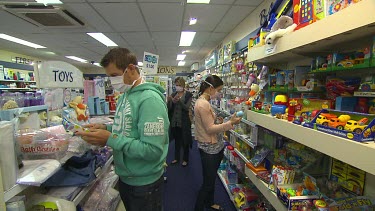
{"points": [[229, 49], [304, 12], [334, 6], [354, 126], [372, 63], [348, 177], [360, 203], [281, 175], [304, 81], [259, 156], [352, 60], [322, 64]]}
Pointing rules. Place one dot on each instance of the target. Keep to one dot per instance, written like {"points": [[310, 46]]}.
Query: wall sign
{"points": [[57, 74], [150, 63], [22, 60], [167, 70]]}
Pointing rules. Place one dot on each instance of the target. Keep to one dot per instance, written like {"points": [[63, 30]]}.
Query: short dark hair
{"points": [[180, 80], [214, 80], [121, 57]]}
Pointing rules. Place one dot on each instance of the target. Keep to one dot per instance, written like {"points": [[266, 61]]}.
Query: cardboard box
{"points": [[293, 202]]}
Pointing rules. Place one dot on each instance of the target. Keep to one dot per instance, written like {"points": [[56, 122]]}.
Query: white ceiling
{"points": [[140, 25]]}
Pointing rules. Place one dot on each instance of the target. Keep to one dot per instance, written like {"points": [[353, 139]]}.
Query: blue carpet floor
{"points": [[183, 183]]}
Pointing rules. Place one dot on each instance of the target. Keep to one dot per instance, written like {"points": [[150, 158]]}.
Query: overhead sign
{"points": [[167, 70], [150, 63], [57, 74]]}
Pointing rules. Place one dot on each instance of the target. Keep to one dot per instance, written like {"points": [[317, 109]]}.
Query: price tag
{"points": [[150, 63]]}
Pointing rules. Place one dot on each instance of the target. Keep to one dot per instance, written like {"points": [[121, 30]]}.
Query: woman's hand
{"points": [[234, 120], [97, 137], [219, 120], [176, 98], [95, 126]]}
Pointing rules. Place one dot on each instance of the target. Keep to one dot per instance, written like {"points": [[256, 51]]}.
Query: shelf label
{"points": [[150, 63], [57, 74], [270, 49]]}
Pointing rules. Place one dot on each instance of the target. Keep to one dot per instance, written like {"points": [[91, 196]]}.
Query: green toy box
{"points": [[352, 60]]}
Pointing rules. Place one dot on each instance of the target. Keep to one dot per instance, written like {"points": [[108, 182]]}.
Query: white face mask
{"points": [[179, 89], [118, 83]]}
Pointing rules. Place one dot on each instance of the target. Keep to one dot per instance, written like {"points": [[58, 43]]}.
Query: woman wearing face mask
{"points": [[178, 108], [139, 134], [210, 147]]}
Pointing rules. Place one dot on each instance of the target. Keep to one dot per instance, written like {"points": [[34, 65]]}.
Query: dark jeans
{"points": [[143, 198], [178, 144], [210, 164]]}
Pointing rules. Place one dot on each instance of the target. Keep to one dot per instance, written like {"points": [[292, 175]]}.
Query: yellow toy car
{"points": [[356, 126], [324, 118]]}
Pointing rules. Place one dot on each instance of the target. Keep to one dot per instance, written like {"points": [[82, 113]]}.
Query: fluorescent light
{"points": [[76, 59], [198, 1], [103, 39], [187, 38], [193, 21], [180, 57], [183, 52], [97, 64], [140, 64], [19, 41], [181, 63], [45, 2]]}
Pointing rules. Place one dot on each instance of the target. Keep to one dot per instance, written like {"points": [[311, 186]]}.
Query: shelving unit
{"points": [[320, 37], [98, 172], [241, 156], [262, 187], [334, 146], [248, 142], [18, 81], [222, 179]]}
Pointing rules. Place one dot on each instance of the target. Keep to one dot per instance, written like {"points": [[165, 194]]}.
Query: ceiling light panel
{"points": [[193, 21], [76, 59], [103, 39], [181, 63], [187, 38], [20, 41]]}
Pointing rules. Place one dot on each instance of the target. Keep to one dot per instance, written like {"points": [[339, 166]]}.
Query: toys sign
{"points": [[57, 74], [150, 63]]}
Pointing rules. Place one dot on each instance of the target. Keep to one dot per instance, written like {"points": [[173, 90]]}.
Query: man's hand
{"points": [[95, 126], [97, 137]]}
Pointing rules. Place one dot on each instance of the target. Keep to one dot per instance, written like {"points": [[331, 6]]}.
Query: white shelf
{"points": [[241, 156], [262, 187], [17, 188], [360, 155], [248, 142], [322, 36], [222, 179], [364, 94], [98, 172], [14, 88]]}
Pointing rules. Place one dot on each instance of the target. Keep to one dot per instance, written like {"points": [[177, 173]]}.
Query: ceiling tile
{"points": [[123, 17], [223, 1], [138, 38], [89, 16], [235, 15], [200, 38], [208, 16], [112, 1], [169, 1], [248, 2], [163, 16], [13, 24], [166, 38]]}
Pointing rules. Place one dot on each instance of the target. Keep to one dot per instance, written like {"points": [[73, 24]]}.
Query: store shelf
{"points": [[222, 179], [241, 156], [248, 142], [98, 172], [17, 188], [17, 81], [262, 187], [340, 31], [360, 155], [14, 88], [364, 94]]}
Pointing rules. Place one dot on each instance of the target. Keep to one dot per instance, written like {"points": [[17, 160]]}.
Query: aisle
{"points": [[183, 184]]}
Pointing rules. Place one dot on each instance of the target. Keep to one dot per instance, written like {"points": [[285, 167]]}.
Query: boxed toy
{"points": [[229, 49], [281, 175], [299, 107], [360, 203], [351, 125], [288, 196], [220, 56], [333, 6], [289, 79], [372, 63], [304, 81], [322, 63], [352, 60]]}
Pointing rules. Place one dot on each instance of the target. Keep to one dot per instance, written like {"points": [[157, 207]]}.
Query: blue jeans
{"points": [[142, 198], [210, 165]]}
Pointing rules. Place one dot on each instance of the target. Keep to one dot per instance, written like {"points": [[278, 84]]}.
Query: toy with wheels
{"points": [[356, 126]]}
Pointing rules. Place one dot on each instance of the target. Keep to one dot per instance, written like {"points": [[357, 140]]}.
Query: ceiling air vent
{"points": [[45, 16]]}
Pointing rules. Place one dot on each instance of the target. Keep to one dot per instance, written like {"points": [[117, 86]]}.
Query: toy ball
{"points": [[239, 113]]}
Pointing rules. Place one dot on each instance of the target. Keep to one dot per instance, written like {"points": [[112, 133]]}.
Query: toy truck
{"points": [[340, 122], [356, 126], [368, 85], [324, 118]]}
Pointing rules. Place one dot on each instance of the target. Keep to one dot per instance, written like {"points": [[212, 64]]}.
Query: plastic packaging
{"points": [[38, 144], [42, 202], [35, 172], [28, 99], [8, 161]]}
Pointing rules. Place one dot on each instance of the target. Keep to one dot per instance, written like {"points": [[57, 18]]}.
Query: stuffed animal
{"points": [[80, 108], [10, 104], [254, 92], [282, 26]]}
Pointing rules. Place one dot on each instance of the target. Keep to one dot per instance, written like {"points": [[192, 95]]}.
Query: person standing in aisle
{"points": [[139, 135], [179, 105], [210, 147]]}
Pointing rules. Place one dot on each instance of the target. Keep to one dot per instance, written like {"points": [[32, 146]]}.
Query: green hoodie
{"points": [[139, 136]]}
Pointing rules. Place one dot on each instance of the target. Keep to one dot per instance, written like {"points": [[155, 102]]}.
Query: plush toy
{"points": [[282, 26], [10, 104], [79, 107], [254, 92]]}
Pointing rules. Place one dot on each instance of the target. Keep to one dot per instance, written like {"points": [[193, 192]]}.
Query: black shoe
{"points": [[184, 164], [174, 162]]}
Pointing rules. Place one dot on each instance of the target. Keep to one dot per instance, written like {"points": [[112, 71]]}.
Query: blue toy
{"points": [[239, 114]]}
